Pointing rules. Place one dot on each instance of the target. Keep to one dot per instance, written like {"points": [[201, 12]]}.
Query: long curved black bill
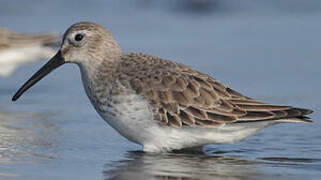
{"points": [[52, 64]]}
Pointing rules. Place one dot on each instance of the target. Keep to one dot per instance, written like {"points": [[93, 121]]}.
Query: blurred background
{"points": [[269, 50]]}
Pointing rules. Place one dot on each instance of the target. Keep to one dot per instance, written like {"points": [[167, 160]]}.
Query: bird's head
{"points": [[84, 43]]}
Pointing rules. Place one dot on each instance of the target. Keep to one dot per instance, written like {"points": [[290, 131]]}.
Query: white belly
{"points": [[134, 119]]}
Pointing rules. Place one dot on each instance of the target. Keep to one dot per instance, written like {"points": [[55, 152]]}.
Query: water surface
{"points": [[267, 50]]}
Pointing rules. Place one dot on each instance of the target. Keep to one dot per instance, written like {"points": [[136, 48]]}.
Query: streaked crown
{"points": [[87, 42]]}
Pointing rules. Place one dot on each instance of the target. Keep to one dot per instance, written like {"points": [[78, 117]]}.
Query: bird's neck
{"points": [[98, 77]]}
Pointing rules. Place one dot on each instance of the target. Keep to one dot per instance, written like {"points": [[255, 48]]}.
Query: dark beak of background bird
{"points": [[52, 64]]}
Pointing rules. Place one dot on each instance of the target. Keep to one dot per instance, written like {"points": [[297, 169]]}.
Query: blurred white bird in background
{"points": [[17, 49]]}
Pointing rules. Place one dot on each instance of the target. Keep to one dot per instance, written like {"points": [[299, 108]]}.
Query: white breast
{"points": [[128, 113], [131, 116]]}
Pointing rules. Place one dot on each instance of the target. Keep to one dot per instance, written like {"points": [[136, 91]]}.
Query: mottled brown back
{"points": [[183, 96]]}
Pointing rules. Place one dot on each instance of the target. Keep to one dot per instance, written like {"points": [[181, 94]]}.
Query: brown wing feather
{"points": [[185, 97]]}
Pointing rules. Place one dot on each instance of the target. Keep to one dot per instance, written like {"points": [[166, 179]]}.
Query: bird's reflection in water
{"points": [[181, 165]]}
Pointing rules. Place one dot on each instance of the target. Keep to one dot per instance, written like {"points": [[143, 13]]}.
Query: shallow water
{"points": [[267, 50]]}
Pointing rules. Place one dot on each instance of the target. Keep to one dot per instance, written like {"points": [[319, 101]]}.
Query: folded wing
{"points": [[183, 96]]}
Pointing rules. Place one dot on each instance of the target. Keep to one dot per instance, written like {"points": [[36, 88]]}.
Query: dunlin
{"points": [[17, 49], [158, 103]]}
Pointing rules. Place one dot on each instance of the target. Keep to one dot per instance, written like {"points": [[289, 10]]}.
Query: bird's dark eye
{"points": [[78, 37]]}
